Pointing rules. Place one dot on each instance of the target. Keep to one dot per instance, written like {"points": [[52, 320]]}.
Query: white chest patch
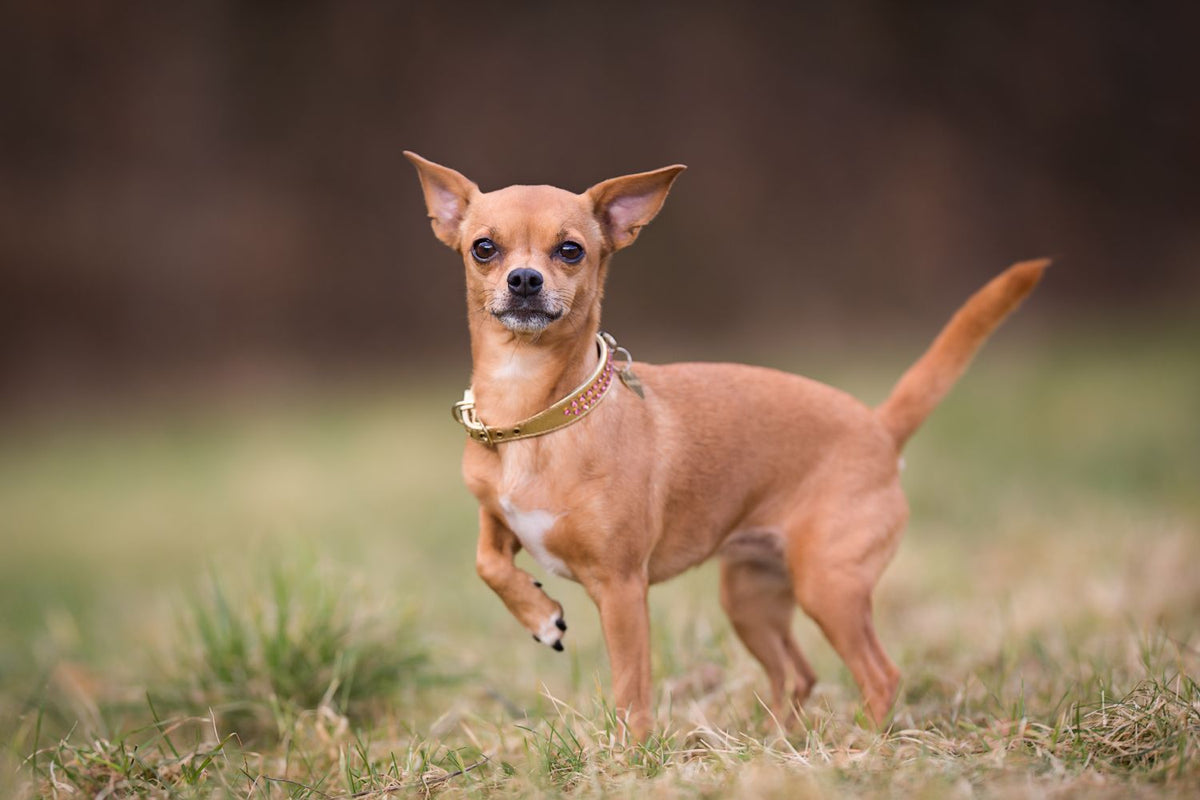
{"points": [[531, 528]]}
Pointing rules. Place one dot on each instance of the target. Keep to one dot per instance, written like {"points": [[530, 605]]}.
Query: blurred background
{"points": [[213, 194], [229, 339]]}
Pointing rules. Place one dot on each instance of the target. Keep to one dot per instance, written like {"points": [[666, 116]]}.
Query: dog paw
{"points": [[551, 631]]}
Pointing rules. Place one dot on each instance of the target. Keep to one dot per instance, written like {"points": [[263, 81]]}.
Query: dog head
{"points": [[536, 256]]}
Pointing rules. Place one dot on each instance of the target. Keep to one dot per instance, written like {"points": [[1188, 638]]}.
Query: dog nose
{"points": [[524, 282]]}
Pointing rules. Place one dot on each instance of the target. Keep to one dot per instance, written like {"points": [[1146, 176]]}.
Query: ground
{"points": [[275, 597]]}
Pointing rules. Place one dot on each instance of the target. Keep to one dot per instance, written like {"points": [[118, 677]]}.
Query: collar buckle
{"points": [[464, 414]]}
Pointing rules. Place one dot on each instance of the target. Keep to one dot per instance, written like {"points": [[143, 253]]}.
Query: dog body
{"points": [[791, 483]]}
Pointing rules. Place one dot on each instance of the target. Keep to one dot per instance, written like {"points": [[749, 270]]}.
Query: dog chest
{"points": [[531, 527]]}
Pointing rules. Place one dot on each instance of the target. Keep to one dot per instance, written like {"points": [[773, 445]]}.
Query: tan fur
{"points": [[793, 484], [927, 381]]}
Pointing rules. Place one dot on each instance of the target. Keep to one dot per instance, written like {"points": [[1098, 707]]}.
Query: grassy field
{"points": [[276, 598]]}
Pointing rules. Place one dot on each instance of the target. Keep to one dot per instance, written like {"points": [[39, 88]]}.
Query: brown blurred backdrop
{"points": [[194, 189]]}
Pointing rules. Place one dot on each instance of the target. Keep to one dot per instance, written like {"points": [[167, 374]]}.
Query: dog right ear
{"points": [[447, 194], [627, 204]]}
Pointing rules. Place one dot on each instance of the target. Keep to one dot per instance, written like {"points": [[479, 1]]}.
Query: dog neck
{"points": [[515, 377]]}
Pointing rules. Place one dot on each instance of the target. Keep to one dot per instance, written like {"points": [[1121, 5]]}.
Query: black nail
{"points": [[538, 584], [561, 623], [558, 646], [536, 639]]}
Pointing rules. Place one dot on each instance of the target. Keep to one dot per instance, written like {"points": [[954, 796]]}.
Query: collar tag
{"points": [[626, 373], [631, 380]]}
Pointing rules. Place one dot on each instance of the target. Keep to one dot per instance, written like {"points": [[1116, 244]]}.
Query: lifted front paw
{"points": [[551, 631]]}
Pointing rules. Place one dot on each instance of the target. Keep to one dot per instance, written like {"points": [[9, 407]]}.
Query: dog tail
{"points": [[927, 381]]}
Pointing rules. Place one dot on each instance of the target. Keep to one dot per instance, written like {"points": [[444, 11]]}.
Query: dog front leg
{"points": [[494, 561], [625, 618]]}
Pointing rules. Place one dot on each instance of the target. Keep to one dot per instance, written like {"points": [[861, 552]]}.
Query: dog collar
{"points": [[571, 408]]}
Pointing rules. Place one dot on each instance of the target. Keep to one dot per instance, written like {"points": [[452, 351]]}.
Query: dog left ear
{"points": [[624, 205], [447, 194]]}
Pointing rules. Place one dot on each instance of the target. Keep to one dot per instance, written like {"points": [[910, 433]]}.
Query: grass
{"points": [[292, 640], [278, 599]]}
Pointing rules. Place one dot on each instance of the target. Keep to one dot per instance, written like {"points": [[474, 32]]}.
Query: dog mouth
{"points": [[524, 317]]}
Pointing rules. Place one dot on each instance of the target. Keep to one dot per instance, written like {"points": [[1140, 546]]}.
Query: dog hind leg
{"points": [[834, 573], [757, 596]]}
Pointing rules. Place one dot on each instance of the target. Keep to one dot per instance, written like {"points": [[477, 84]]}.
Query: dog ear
{"points": [[624, 205], [447, 194]]}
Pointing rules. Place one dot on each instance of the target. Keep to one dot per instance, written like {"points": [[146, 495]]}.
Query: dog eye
{"points": [[570, 252], [484, 250]]}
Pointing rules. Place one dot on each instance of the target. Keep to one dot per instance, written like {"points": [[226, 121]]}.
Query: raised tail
{"points": [[926, 382]]}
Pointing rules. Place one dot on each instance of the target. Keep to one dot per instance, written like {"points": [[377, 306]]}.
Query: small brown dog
{"points": [[619, 484]]}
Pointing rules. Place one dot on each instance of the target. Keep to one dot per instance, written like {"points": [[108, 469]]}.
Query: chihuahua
{"points": [[619, 475]]}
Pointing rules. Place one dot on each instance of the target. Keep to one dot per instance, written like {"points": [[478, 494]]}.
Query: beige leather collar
{"points": [[571, 408]]}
